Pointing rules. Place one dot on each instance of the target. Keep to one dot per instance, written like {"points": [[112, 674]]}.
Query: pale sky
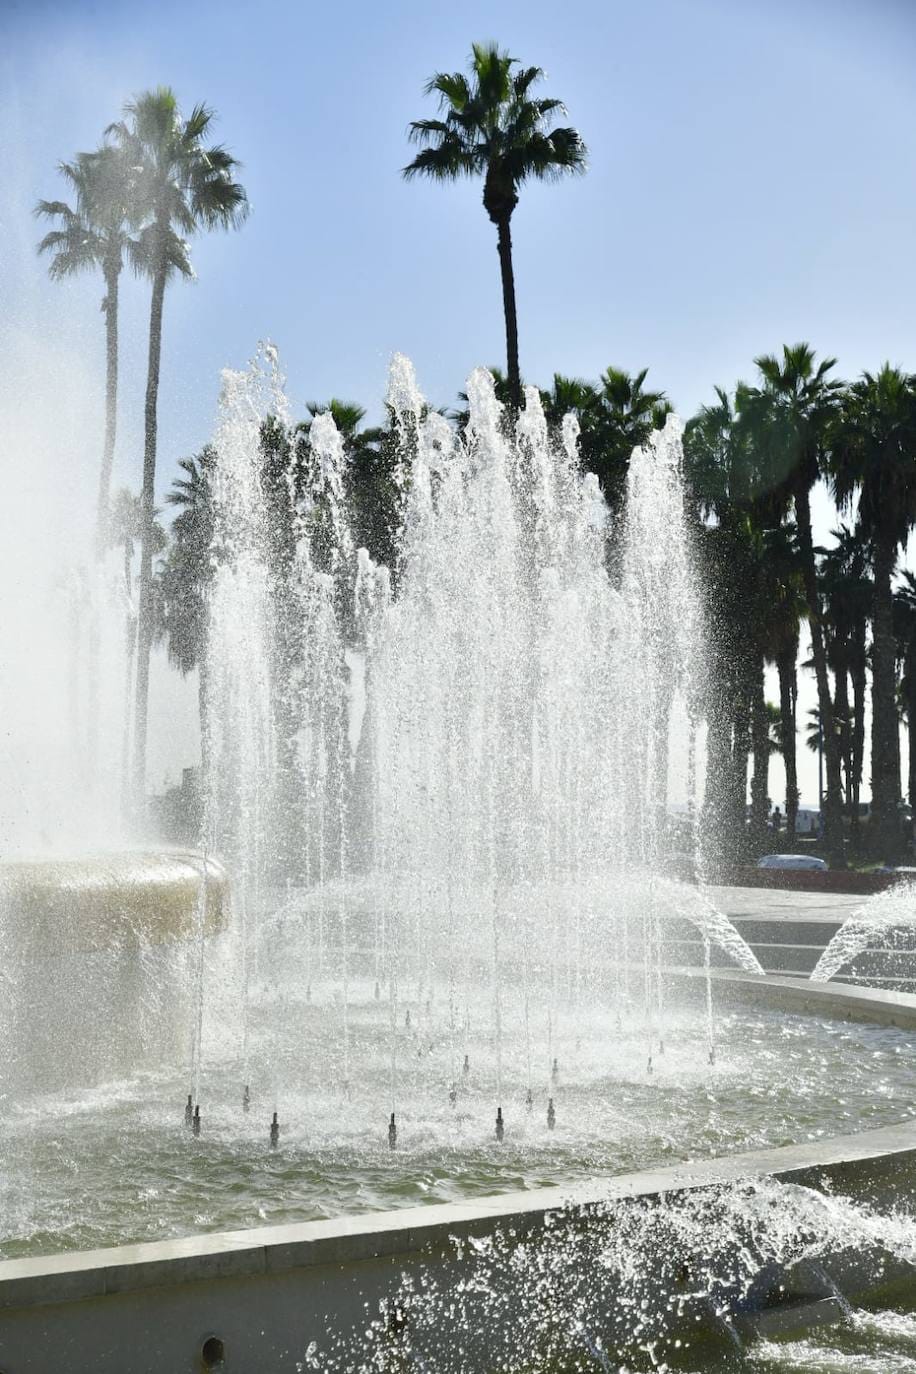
{"points": [[752, 182]]}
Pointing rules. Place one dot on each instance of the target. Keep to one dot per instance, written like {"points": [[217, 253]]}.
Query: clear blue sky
{"points": [[752, 181]]}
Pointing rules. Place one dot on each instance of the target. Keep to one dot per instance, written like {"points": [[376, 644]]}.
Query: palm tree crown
{"points": [[180, 185], [96, 233], [494, 128]]}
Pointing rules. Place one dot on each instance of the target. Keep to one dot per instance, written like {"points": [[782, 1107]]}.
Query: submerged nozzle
{"points": [[453, 1094], [407, 1018], [378, 990], [195, 1120], [246, 1099], [661, 1047], [188, 1111], [649, 1068], [308, 992], [274, 1132], [712, 1055], [466, 1066], [392, 1134], [551, 1115], [500, 1125], [529, 1099]]}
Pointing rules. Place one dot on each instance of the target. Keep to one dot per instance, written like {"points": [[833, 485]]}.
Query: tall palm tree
{"points": [[789, 414], [94, 233], [493, 127], [874, 457], [181, 187]]}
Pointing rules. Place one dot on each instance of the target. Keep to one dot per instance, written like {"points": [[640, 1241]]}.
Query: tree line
{"points": [[752, 459]]}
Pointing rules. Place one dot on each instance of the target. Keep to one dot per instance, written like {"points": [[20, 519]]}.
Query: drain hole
{"points": [[212, 1352]]}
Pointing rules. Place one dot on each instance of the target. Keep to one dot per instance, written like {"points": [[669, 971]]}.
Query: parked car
{"points": [[798, 861]]}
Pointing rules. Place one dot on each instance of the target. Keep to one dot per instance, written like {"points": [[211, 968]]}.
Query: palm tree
{"points": [[187, 571], [492, 127], [719, 464], [94, 233], [789, 415], [874, 457], [182, 186], [782, 611], [847, 597], [616, 415]]}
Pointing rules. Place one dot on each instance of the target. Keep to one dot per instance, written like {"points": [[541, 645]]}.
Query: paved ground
{"points": [[775, 904]]}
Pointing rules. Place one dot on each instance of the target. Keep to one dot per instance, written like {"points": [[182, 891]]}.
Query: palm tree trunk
{"points": [[911, 728], [841, 718], [504, 245], [716, 810], [111, 406], [130, 648], [788, 730], [736, 835], [858, 719], [832, 819], [147, 513], [885, 771], [760, 779]]}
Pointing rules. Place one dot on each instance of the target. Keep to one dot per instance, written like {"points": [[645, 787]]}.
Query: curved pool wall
{"points": [[95, 955], [263, 1296]]}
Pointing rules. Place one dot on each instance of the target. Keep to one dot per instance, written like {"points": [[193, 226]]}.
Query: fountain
{"points": [[884, 920], [447, 986], [454, 793]]}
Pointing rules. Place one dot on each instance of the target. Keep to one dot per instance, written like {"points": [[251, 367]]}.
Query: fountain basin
{"points": [[99, 901], [267, 1293], [96, 963]]}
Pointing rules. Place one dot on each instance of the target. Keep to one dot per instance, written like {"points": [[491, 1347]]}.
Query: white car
{"points": [[798, 861]]}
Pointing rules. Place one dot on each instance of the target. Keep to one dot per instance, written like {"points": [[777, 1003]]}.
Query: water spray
{"points": [[551, 1115], [392, 1134], [195, 1121], [189, 1111], [246, 1099], [500, 1126], [274, 1132]]}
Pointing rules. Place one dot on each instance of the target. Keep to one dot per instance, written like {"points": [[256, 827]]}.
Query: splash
{"points": [[877, 921], [626, 1286]]}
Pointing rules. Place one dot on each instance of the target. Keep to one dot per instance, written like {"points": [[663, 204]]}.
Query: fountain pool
{"points": [[115, 1164]]}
